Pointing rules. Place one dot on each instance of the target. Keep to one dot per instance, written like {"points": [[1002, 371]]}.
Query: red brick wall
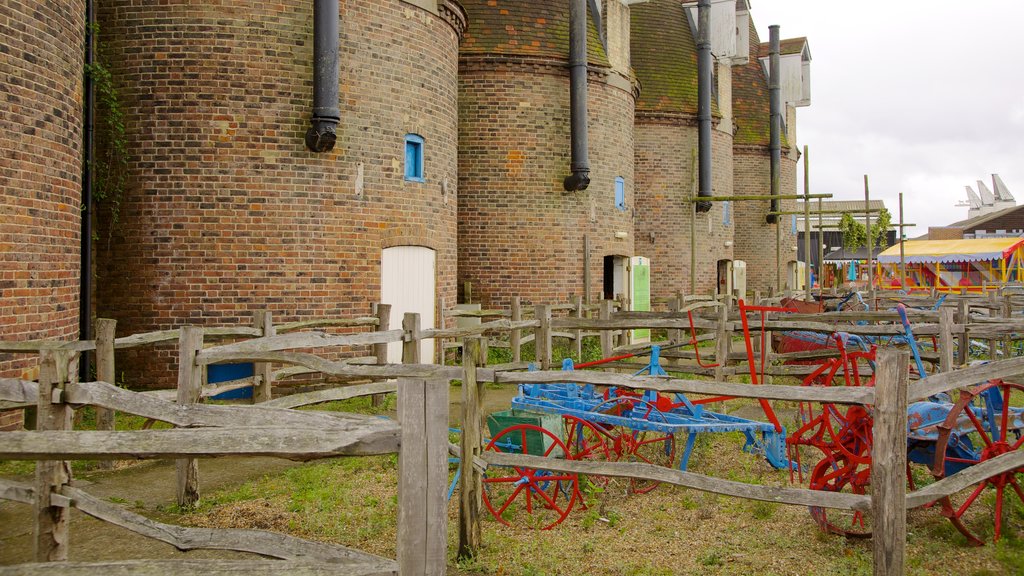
{"points": [[227, 211], [40, 175], [755, 239], [664, 158], [520, 233]]}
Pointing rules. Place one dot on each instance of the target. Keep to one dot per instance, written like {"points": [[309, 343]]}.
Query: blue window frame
{"points": [[794, 223], [414, 158], [726, 213], [620, 193]]}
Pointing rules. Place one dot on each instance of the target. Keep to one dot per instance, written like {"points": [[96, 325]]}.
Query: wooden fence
{"points": [[422, 388]]}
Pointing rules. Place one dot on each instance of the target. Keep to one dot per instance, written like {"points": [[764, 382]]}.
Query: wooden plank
{"points": [[411, 334], [723, 341], [326, 323], [18, 391], [186, 567], [889, 462], [211, 390], [331, 395], [516, 336], [37, 346], [263, 373], [380, 351], [945, 340], [290, 371], [50, 525], [476, 313], [966, 478], [346, 369], [203, 415], [863, 330], [436, 493], [853, 316], [542, 341], [239, 351], [470, 483], [488, 328], [290, 443], [605, 315], [136, 340], [618, 323], [964, 342], [839, 395], [190, 391], [17, 492], [577, 335], [106, 329], [946, 381], [260, 542], [795, 496]]}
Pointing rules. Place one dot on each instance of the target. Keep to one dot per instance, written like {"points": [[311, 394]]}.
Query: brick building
{"points": [[40, 176], [228, 212], [520, 232], [756, 240]]}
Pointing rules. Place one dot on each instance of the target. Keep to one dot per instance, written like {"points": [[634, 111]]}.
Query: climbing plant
{"points": [[110, 164], [855, 234]]}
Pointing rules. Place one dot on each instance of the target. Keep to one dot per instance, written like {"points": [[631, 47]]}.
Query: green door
{"points": [[640, 292]]}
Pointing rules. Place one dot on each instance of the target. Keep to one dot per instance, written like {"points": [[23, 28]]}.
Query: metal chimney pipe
{"points": [[88, 151], [580, 178], [704, 102], [775, 99], [322, 135]]}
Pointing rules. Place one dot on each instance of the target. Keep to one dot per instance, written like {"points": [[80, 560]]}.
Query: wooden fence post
{"points": [[723, 342], [606, 335], [622, 337], [542, 338], [471, 482], [1007, 315], [889, 463], [105, 372], [945, 340], [963, 314], [994, 309], [675, 335], [423, 477], [262, 387], [411, 344], [578, 313], [52, 516], [190, 389], [383, 313], [514, 339]]}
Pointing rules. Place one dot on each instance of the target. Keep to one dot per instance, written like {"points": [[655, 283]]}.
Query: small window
{"points": [[726, 213], [620, 193], [414, 158], [794, 223]]}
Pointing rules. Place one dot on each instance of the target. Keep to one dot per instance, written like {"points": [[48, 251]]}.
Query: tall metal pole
{"points": [[807, 225], [693, 225], [871, 243], [579, 180], [903, 263], [704, 76]]}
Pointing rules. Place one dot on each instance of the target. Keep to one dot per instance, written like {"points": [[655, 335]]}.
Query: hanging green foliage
{"points": [[855, 234], [110, 164]]}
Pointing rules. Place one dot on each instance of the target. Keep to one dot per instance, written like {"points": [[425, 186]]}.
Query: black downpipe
{"points": [[322, 135], [88, 154], [580, 178], [704, 102], [775, 97]]}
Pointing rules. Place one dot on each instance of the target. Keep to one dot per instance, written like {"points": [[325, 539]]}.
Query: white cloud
{"points": [[925, 96]]}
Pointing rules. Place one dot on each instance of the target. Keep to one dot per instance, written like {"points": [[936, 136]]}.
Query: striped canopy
{"points": [[948, 251]]}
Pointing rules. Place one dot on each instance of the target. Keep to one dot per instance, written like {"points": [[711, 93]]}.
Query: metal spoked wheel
{"points": [[986, 422], [650, 445], [839, 472], [535, 497], [593, 442]]}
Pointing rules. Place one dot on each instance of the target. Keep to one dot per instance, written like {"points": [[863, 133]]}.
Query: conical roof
{"points": [[664, 57], [524, 28], [751, 108]]}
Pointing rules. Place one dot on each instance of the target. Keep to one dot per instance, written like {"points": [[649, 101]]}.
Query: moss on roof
{"points": [[525, 28], [787, 47], [751, 107], [664, 56]]}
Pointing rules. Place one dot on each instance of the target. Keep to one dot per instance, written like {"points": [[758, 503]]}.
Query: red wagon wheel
{"points": [[985, 422], [646, 446], [544, 496], [841, 473], [594, 442]]}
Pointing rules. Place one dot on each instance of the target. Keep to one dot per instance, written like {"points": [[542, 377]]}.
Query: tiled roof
{"points": [[524, 28], [978, 220], [844, 205], [750, 106], [664, 56], [787, 47]]}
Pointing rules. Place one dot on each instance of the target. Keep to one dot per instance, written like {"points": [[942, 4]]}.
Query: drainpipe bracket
{"points": [[322, 135], [577, 182], [703, 206]]}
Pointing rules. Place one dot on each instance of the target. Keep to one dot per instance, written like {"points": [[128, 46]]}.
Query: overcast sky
{"points": [[923, 96]]}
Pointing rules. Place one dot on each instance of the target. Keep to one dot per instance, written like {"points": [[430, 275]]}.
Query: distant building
{"points": [[829, 233], [985, 201]]}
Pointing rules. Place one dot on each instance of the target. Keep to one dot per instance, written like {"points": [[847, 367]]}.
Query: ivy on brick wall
{"points": [[110, 164]]}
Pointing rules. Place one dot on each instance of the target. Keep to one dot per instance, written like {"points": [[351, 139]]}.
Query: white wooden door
{"points": [[407, 284]]}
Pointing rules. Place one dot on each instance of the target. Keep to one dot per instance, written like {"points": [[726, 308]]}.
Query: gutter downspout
{"points": [[322, 135], [704, 80], [579, 180], [775, 100], [88, 153]]}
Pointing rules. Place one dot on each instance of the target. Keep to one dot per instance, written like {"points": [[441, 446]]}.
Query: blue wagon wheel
{"points": [[540, 498], [986, 422]]}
